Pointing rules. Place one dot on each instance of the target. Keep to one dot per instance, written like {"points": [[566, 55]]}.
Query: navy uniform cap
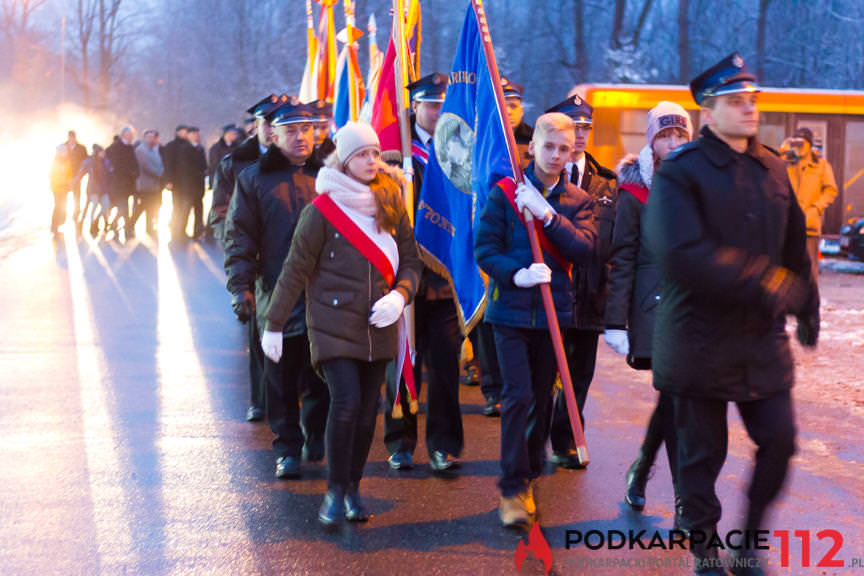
{"points": [[292, 111], [431, 88], [512, 89], [729, 76], [263, 106], [576, 108], [322, 109]]}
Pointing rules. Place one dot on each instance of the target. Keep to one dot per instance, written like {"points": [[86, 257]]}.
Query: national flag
{"points": [[308, 86], [469, 155], [412, 39], [349, 91], [324, 69], [385, 118]]}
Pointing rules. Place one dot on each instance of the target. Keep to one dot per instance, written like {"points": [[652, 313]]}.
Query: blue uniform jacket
{"points": [[501, 248]]}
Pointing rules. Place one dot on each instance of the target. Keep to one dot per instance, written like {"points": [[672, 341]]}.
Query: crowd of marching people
{"points": [[666, 257], [125, 180]]}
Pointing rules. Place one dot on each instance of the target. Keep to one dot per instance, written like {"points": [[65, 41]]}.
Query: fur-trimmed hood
{"points": [[637, 170]]}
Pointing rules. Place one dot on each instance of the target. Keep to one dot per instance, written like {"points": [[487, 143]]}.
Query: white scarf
{"points": [[346, 191]]}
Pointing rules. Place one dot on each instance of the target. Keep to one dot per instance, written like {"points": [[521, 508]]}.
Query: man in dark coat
{"points": [[261, 219], [124, 165], [170, 153], [589, 279], [76, 153], [191, 175], [730, 241], [172, 160], [436, 324], [230, 167], [225, 145]]}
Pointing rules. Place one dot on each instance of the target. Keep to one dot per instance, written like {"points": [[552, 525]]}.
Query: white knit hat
{"points": [[667, 115], [353, 137]]}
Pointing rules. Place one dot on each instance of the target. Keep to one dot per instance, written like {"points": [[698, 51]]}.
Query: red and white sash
{"points": [[373, 253]]}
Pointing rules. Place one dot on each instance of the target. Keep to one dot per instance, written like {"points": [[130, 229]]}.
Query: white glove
{"points": [[271, 343], [532, 276], [617, 340], [527, 196], [387, 309]]}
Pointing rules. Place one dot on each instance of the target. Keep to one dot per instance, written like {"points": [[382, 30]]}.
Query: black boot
{"points": [[332, 510], [706, 559], [355, 511], [637, 478]]}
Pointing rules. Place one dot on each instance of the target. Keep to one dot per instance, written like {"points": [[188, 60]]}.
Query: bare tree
{"points": [[760, 38], [683, 41], [85, 17]]}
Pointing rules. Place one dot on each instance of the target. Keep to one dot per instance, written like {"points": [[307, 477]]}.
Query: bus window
{"points": [[772, 129], [853, 187], [633, 125]]}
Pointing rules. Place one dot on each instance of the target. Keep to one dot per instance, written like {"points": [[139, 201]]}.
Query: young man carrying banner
{"points": [[525, 351]]}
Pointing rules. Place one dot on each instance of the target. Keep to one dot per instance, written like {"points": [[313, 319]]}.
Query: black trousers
{"points": [[257, 361], [148, 201], [701, 428], [661, 430], [527, 362], [490, 383], [288, 381], [355, 391], [181, 206], [580, 346], [437, 341]]}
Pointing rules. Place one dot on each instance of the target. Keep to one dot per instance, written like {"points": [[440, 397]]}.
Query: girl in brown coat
{"points": [[354, 255]]}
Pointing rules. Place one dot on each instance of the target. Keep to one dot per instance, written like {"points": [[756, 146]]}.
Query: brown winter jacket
{"points": [[341, 286]]}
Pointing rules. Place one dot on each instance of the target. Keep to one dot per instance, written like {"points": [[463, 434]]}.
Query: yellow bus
{"points": [[836, 118]]}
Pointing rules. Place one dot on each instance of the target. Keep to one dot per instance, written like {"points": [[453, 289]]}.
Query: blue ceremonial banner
{"points": [[468, 156]]}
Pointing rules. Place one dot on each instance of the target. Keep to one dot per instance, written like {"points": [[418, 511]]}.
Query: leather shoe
{"points": [[442, 462], [355, 511], [637, 478], [402, 460], [288, 467], [332, 510], [492, 408], [254, 414], [569, 460]]}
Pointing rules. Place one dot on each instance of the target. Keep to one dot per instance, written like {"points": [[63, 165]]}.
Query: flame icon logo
{"points": [[538, 546]]}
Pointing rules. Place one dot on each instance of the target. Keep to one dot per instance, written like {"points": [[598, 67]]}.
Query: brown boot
{"points": [[527, 498], [512, 512]]}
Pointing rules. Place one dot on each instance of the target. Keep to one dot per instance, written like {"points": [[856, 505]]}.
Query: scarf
{"points": [[346, 191]]}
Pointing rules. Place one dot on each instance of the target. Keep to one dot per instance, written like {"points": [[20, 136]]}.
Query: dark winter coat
{"points": [[341, 286], [125, 169], [634, 281], [190, 171], [262, 216], [718, 221], [501, 248], [230, 167], [214, 156], [98, 172], [590, 278], [171, 157]]}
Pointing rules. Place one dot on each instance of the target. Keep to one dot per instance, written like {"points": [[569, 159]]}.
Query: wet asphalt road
{"points": [[125, 451]]}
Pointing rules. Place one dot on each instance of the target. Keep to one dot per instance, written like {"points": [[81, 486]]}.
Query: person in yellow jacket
{"points": [[813, 181]]}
